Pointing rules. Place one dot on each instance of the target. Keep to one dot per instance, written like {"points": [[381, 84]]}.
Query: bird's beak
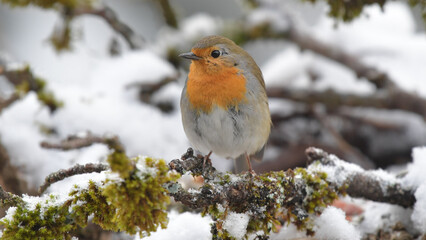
{"points": [[189, 55]]}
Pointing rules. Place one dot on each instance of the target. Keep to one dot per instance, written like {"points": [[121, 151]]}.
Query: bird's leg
{"points": [[249, 164], [207, 157]]}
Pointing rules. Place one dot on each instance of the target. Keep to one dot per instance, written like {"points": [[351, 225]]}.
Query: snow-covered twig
{"points": [[304, 41], [404, 100], [372, 185], [75, 142], [65, 173]]}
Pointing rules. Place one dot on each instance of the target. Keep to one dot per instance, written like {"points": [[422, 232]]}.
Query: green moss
{"points": [[90, 201], [144, 197], [348, 10], [27, 82], [45, 221], [121, 164], [136, 203], [271, 201], [46, 4], [62, 36]]}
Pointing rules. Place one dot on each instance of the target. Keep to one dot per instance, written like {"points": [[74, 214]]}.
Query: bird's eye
{"points": [[215, 53]]}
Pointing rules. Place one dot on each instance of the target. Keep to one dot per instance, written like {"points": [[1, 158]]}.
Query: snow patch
{"points": [[332, 225], [416, 170], [236, 224], [419, 212], [183, 226]]}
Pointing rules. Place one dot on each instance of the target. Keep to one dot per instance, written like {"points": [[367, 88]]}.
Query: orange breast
{"points": [[223, 86]]}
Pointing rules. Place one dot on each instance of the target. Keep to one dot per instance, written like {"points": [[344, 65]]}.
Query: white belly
{"points": [[228, 133]]}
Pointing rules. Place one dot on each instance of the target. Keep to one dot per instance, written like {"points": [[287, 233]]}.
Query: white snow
{"points": [[416, 175], [332, 225], [337, 173], [416, 178], [236, 224], [183, 226], [419, 212], [288, 232], [382, 216]]}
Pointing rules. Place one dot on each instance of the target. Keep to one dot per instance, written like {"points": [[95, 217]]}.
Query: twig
{"points": [[133, 40], [19, 76], [333, 100], [194, 164], [377, 124], [148, 89], [168, 13], [75, 142], [362, 70], [65, 173], [4, 103], [399, 98], [365, 184], [357, 156]]}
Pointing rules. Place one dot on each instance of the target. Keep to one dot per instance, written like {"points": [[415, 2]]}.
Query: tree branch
{"points": [[133, 40], [364, 184], [333, 100], [75, 142], [4, 103], [169, 14], [76, 170], [398, 98], [356, 181], [372, 74]]}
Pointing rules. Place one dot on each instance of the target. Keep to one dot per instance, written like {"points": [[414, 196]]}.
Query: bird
{"points": [[224, 105]]}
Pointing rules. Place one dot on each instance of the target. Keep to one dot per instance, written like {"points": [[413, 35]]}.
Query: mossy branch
{"points": [[24, 81], [76, 170], [168, 13], [145, 184], [364, 184], [294, 196], [8, 199], [348, 10], [135, 202]]}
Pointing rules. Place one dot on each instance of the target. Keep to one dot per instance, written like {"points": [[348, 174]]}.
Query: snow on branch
{"points": [[76, 170], [24, 81], [406, 100], [375, 185], [264, 201]]}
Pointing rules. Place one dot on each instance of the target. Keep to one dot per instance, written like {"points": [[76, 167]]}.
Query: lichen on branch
{"points": [[130, 199], [134, 196], [266, 200]]}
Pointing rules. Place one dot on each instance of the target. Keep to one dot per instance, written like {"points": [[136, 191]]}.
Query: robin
{"points": [[224, 104]]}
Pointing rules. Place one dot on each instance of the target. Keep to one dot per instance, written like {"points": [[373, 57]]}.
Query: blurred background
{"points": [[353, 87]]}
